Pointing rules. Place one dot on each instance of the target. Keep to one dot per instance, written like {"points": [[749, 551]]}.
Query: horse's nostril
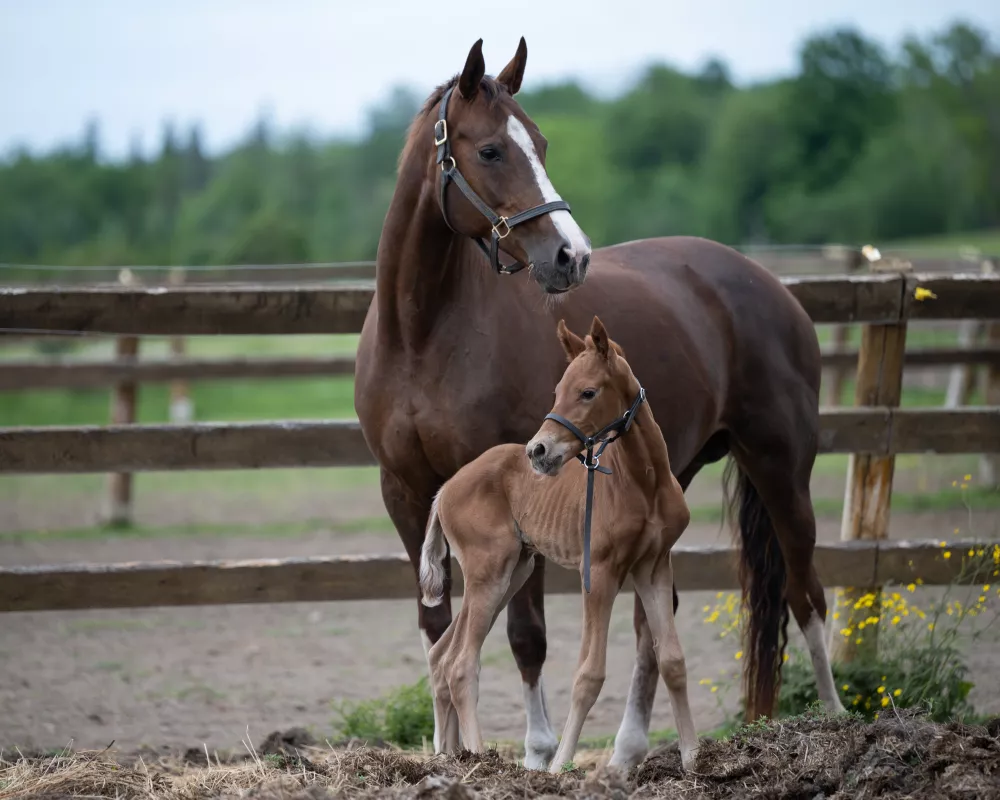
{"points": [[538, 451], [564, 257]]}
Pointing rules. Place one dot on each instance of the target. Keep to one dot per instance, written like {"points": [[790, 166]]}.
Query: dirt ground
{"points": [[900, 756], [187, 676]]}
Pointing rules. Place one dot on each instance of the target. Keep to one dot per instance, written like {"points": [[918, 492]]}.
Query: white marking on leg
{"points": [[430, 681], [563, 220], [632, 740], [540, 740], [813, 631]]}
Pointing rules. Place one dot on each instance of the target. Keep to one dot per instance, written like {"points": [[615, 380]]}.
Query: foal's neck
{"points": [[422, 265], [642, 450]]}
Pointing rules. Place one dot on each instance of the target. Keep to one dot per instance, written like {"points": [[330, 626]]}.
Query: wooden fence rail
{"points": [[253, 445], [60, 373], [390, 577], [273, 309]]}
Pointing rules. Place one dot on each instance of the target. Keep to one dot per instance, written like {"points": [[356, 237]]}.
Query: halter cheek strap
{"points": [[501, 225], [592, 462]]}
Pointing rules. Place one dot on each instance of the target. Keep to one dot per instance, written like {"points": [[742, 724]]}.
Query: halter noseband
{"points": [[501, 225], [592, 462]]}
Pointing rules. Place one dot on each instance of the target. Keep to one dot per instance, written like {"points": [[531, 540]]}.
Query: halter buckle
{"points": [[440, 138], [444, 164], [496, 228]]}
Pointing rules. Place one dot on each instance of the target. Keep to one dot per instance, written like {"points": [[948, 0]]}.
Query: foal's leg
{"points": [[590, 672], [485, 589], [632, 741], [526, 634], [654, 583]]}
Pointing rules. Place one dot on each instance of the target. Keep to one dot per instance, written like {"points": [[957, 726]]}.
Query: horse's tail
{"points": [[762, 578], [432, 555]]}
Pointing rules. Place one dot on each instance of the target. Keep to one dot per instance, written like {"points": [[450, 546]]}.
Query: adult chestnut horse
{"points": [[456, 357]]}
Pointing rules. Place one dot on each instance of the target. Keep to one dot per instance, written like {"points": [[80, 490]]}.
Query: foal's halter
{"points": [[592, 462], [501, 225]]}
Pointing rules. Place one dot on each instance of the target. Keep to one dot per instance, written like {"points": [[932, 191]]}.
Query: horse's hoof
{"points": [[538, 754], [629, 752]]}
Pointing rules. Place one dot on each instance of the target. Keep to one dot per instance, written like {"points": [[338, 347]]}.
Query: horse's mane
{"points": [[489, 89]]}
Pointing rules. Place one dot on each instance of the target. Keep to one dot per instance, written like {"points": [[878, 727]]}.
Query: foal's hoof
{"points": [[688, 759]]}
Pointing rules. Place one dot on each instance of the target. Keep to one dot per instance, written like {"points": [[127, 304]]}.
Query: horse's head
{"points": [[597, 395], [485, 141]]}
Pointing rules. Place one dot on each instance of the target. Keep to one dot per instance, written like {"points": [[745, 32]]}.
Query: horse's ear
{"points": [[472, 74], [599, 336], [572, 344], [513, 73]]}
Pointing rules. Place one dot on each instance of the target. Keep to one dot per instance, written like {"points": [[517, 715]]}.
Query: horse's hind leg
{"points": [[526, 634], [775, 494], [654, 583]]}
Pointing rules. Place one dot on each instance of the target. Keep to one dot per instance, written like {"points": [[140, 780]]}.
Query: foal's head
{"points": [[597, 388], [501, 153]]}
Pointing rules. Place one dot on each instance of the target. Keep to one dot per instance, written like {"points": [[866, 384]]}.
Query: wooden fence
{"points": [[881, 301]]}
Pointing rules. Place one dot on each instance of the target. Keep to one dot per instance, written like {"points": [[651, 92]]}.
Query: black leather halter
{"points": [[592, 462], [501, 225]]}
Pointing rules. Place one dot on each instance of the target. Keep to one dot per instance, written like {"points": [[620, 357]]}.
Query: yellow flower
{"points": [[967, 478], [947, 553], [895, 620], [920, 294], [943, 543], [911, 587], [897, 692], [845, 687], [706, 609], [715, 689], [705, 682], [739, 654], [930, 626], [881, 689], [784, 657], [836, 615], [885, 702]]}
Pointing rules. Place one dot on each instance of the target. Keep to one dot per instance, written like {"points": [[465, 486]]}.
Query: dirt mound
{"points": [[809, 758]]}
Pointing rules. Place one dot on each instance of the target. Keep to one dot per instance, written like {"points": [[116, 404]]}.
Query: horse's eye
{"points": [[588, 394], [489, 154]]}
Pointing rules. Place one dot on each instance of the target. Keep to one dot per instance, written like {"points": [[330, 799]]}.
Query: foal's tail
{"points": [[762, 578], [432, 555]]}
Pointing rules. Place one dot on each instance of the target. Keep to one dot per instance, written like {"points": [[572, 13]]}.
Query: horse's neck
{"points": [[423, 267]]}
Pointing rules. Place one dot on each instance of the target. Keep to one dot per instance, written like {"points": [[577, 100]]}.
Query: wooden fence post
{"points": [[118, 511], [868, 494], [989, 463], [840, 334], [181, 405]]}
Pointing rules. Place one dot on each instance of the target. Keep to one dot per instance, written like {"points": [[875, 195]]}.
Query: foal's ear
{"points": [[513, 73], [472, 74], [572, 344], [599, 336]]}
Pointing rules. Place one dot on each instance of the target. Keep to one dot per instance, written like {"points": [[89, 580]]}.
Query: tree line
{"points": [[859, 144]]}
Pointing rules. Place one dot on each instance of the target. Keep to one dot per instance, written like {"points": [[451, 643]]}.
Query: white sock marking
{"points": [[813, 632], [563, 220], [540, 740]]}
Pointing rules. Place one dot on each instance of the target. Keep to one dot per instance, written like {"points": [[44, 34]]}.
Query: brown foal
{"points": [[503, 508]]}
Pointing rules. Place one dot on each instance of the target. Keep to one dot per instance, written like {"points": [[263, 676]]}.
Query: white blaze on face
{"points": [[563, 220]]}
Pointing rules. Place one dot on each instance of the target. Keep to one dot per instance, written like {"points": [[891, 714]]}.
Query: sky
{"points": [[133, 64]]}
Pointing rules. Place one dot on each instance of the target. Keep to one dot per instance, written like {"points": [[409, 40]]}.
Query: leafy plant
{"points": [[404, 716]]}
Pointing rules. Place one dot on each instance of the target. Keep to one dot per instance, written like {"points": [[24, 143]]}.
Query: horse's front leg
{"points": [[526, 634], [408, 503], [590, 672]]}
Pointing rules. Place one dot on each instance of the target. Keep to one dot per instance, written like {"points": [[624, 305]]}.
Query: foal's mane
{"points": [[489, 89]]}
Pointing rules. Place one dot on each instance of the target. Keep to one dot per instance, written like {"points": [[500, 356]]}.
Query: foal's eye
{"points": [[588, 394], [489, 154]]}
